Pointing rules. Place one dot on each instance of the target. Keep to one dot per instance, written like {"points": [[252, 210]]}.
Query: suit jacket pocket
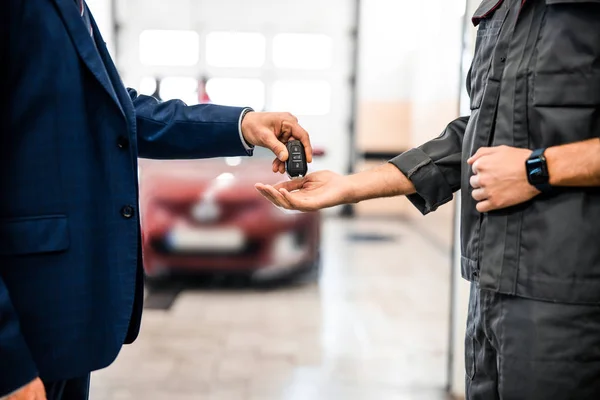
{"points": [[31, 235]]}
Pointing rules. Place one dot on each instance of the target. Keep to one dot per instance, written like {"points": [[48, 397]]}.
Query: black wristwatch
{"points": [[537, 171]]}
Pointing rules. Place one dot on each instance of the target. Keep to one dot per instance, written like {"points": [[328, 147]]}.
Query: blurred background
{"points": [[246, 301]]}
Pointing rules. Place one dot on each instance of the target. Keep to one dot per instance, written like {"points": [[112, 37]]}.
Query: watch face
{"points": [[536, 171]]}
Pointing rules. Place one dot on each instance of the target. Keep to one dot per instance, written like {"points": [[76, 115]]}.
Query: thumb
{"points": [[482, 151], [277, 148]]}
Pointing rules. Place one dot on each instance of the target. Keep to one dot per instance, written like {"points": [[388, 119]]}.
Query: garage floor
{"points": [[374, 328]]}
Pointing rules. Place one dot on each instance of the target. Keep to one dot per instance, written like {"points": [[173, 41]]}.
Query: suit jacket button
{"points": [[122, 142], [127, 212]]}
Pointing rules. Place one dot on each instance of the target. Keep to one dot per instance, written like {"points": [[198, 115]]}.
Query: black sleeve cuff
{"points": [[432, 188]]}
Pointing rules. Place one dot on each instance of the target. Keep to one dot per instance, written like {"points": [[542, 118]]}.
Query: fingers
{"points": [[475, 181], [280, 198], [479, 194], [285, 131], [483, 151], [301, 134], [278, 166], [478, 166], [272, 195], [481, 164], [273, 131], [277, 147], [290, 186], [265, 193], [294, 201], [282, 128], [484, 206], [283, 198]]}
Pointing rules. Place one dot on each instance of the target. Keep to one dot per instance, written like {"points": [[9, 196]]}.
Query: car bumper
{"points": [[284, 251]]}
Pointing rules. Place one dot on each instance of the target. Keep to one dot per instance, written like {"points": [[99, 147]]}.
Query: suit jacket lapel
{"points": [[113, 74], [85, 46]]}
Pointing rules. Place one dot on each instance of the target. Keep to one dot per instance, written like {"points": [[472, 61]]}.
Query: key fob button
{"points": [[296, 163]]}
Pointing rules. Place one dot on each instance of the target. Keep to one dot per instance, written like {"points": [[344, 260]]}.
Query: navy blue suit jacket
{"points": [[70, 265]]}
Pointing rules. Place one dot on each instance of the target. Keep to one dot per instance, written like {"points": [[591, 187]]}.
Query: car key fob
{"points": [[296, 165]]}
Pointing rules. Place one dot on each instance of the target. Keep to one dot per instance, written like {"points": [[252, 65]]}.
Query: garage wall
{"points": [[408, 83], [319, 94]]}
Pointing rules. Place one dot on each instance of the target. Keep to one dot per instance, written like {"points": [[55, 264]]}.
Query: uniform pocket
{"points": [[566, 109], [565, 84], [32, 235], [489, 17], [570, 90], [485, 9], [569, 40]]}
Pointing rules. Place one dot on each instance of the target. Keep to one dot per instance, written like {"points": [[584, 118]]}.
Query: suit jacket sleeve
{"points": [[17, 367], [435, 167], [171, 129]]}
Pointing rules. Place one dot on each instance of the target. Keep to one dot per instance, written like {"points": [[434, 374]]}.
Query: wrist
{"points": [[575, 164], [536, 168], [244, 126], [383, 181], [550, 154], [356, 189]]}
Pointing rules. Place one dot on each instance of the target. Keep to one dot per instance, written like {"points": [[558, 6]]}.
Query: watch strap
{"points": [[544, 187], [539, 153]]}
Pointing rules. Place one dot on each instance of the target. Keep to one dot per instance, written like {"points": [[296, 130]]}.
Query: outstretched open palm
{"points": [[315, 191]]}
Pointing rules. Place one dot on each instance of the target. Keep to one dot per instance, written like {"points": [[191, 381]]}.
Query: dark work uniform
{"points": [[533, 329]]}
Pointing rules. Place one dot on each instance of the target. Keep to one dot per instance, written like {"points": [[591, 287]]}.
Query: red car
{"points": [[206, 216]]}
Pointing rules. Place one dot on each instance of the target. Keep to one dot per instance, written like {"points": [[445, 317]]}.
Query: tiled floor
{"points": [[374, 328]]}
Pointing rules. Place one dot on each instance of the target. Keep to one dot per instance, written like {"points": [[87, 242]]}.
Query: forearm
{"points": [[173, 130], [383, 181], [574, 164]]}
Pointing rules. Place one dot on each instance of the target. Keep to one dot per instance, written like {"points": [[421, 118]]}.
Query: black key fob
{"points": [[296, 165]]}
